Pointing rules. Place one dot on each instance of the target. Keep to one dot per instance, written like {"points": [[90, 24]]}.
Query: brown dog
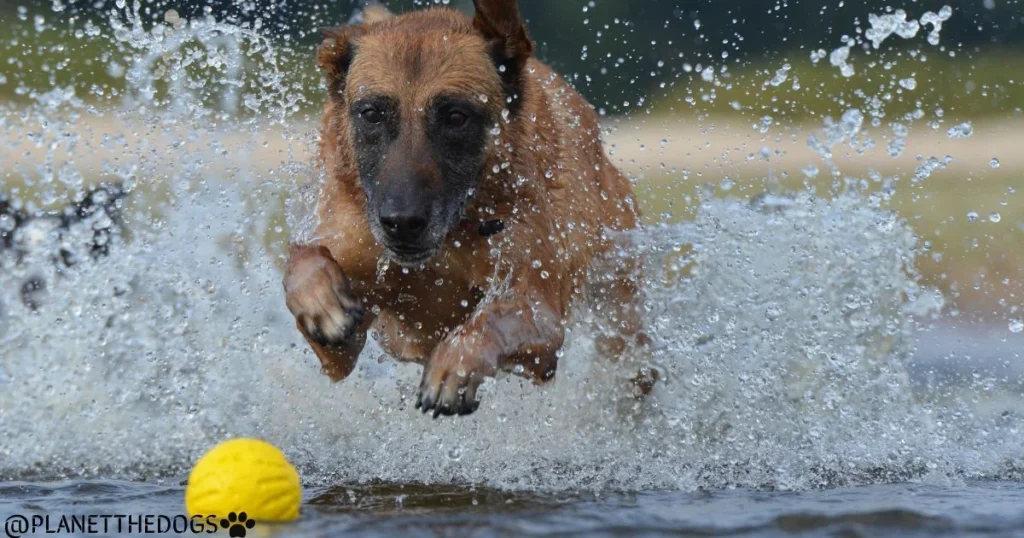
{"points": [[467, 194]]}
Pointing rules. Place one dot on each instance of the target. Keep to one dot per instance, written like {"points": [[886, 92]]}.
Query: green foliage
{"points": [[891, 85], [614, 51], [85, 58]]}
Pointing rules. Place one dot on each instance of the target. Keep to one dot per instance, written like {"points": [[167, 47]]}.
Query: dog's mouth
{"points": [[410, 256]]}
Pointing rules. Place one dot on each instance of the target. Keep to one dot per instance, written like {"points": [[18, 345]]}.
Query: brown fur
{"points": [[481, 304]]}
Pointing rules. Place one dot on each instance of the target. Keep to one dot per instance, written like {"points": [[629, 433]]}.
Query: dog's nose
{"points": [[404, 228]]}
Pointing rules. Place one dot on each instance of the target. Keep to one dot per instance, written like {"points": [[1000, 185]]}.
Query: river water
{"points": [[971, 509]]}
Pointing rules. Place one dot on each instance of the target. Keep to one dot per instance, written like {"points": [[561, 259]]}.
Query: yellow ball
{"points": [[244, 475]]}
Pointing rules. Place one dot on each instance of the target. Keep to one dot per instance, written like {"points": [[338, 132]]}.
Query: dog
{"points": [[466, 198]]}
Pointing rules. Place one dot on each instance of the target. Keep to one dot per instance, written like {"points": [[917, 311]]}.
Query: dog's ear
{"points": [[375, 12], [335, 52], [334, 55], [499, 22]]}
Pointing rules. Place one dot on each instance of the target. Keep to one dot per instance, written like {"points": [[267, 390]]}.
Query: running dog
{"points": [[466, 198]]}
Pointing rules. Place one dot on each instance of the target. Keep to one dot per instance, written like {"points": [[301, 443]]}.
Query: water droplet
{"points": [[780, 75], [382, 268], [963, 130], [838, 58]]}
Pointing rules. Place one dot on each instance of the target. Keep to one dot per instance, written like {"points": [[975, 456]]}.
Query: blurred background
{"points": [[701, 98]]}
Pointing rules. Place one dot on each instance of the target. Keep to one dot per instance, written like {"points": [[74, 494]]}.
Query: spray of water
{"points": [[782, 326]]}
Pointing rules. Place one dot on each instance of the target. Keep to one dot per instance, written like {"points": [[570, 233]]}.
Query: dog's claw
{"points": [[450, 391]]}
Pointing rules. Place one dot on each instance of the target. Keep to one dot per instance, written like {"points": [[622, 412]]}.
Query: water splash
{"points": [[881, 28], [847, 130], [887, 24], [782, 326], [782, 350]]}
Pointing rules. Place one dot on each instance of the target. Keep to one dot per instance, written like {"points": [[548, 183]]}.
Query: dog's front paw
{"points": [[451, 379], [320, 296]]}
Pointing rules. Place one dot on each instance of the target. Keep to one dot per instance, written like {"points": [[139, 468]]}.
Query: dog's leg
{"points": [[619, 304], [520, 333], [401, 339], [326, 311]]}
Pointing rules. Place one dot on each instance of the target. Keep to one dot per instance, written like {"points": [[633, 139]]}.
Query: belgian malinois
{"points": [[466, 196]]}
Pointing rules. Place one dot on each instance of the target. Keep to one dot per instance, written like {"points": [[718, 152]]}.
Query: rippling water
{"points": [[971, 509]]}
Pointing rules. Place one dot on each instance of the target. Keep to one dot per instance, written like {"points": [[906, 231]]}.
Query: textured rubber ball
{"points": [[244, 475]]}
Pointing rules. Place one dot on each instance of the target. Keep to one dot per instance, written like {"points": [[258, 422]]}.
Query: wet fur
{"points": [[480, 303]]}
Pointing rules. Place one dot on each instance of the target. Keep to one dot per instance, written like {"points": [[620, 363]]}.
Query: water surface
{"points": [[970, 509]]}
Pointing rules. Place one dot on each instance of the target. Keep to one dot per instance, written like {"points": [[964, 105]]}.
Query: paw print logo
{"points": [[236, 524]]}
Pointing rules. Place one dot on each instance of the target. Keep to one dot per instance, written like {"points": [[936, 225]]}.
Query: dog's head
{"points": [[417, 97]]}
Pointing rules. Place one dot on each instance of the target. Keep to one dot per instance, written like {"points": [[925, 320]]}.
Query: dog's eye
{"points": [[371, 115], [456, 119]]}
